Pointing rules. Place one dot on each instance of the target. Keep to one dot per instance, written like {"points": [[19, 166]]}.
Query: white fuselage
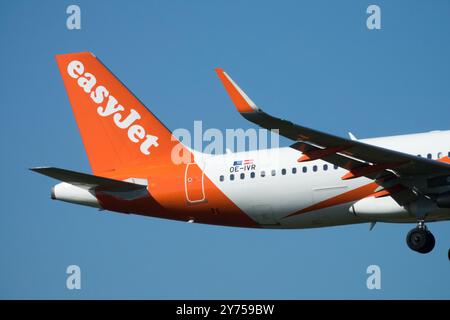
{"points": [[282, 186]]}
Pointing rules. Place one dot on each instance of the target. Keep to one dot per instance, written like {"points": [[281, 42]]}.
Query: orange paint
{"points": [[349, 196], [123, 140], [237, 98], [320, 153], [109, 147], [368, 169], [388, 191], [167, 199], [444, 159]]}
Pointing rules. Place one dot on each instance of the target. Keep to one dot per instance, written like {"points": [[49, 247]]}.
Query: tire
{"points": [[431, 241], [417, 240]]}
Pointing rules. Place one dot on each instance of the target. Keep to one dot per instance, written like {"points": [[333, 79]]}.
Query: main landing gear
{"points": [[420, 239]]}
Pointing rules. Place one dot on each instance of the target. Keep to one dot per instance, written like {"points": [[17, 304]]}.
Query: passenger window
{"points": [[222, 178], [231, 177], [315, 168], [252, 175], [429, 156], [335, 167], [263, 173], [439, 155], [325, 167], [273, 173], [294, 170], [305, 169], [242, 176], [449, 154], [283, 172]]}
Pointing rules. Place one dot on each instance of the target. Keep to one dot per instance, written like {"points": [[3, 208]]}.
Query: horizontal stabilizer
{"points": [[88, 181]]}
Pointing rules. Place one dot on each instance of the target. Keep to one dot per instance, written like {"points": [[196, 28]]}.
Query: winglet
{"points": [[242, 102], [352, 136]]}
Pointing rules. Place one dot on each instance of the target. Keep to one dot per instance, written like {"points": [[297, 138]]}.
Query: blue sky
{"points": [[313, 62]]}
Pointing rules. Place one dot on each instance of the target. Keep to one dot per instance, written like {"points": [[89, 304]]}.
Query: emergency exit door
{"points": [[194, 184]]}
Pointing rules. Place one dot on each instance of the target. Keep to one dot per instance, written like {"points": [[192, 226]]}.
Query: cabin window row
{"points": [[294, 170], [273, 172], [438, 155]]}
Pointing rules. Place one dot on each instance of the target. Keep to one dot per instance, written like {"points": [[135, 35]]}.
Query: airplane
{"points": [[320, 180]]}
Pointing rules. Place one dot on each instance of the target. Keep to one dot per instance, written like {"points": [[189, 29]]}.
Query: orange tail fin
{"points": [[117, 129]]}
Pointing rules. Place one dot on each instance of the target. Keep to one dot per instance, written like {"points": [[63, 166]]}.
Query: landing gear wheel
{"points": [[420, 240], [431, 241], [416, 239]]}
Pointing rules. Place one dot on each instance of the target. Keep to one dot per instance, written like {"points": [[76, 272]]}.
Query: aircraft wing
{"points": [[361, 159], [88, 181]]}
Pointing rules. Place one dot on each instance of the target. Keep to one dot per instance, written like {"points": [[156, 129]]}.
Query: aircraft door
{"points": [[194, 184]]}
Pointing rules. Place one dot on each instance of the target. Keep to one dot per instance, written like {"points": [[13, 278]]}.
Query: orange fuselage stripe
{"points": [[349, 196]]}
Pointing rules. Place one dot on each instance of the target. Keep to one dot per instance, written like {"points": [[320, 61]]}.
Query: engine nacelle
{"points": [[69, 193], [384, 207]]}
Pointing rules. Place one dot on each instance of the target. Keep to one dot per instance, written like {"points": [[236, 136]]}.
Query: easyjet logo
{"points": [[99, 94]]}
